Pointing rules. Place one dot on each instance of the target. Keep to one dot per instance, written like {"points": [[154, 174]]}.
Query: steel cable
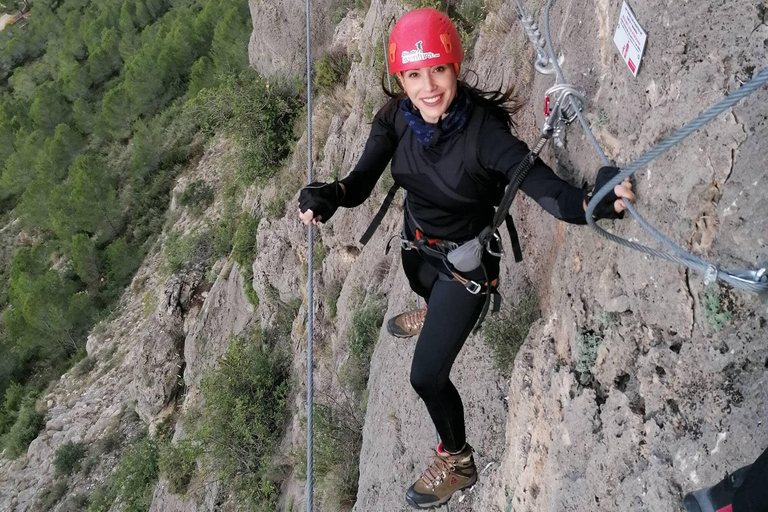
{"points": [[756, 281], [310, 298]]}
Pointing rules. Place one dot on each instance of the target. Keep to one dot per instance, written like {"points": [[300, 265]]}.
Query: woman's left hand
{"points": [[612, 206], [623, 190]]}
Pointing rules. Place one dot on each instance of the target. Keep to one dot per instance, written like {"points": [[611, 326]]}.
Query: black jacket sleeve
{"points": [[500, 151], [378, 151]]}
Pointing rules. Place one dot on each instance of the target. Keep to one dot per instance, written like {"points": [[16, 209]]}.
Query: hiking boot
{"points": [[407, 324], [447, 474], [718, 498]]}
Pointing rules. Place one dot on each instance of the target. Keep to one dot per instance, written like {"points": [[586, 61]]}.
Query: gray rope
{"points": [[384, 45], [755, 281], [310, 300]]}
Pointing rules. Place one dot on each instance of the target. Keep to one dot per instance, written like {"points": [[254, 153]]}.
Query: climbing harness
{"points": [[752, 280]]}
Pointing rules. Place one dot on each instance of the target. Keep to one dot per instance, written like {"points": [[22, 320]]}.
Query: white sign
{"points": [[630, 38]]}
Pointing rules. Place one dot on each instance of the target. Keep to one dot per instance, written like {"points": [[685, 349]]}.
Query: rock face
{"points": [[670, 402], [278, 42], [636, 385]]}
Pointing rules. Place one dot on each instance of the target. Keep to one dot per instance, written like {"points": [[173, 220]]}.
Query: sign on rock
{"points": [[630, 38]]}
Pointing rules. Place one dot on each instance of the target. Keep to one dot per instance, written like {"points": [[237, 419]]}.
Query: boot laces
{"points": [[437, 471], [415, 319]]}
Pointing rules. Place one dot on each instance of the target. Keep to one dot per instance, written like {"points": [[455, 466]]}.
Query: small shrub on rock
{"points": [[505, 332], [51, 494], [177, 463], [197, 197], [28, 424], [67, 458], [245, 415], [132, 481], [588, 343], [331, 69]]}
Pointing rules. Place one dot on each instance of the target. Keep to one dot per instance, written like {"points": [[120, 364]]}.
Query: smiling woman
{"points": [[452, 151], [431, 90]]}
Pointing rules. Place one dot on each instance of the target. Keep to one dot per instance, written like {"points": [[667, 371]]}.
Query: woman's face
{"points": [[431, 89]]}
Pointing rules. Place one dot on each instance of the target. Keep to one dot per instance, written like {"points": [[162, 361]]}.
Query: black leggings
{"points": [[752, 496], [451, 315]]}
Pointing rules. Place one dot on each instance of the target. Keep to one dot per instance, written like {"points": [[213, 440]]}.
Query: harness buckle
{"points": [[405, 244], [473, 287]]}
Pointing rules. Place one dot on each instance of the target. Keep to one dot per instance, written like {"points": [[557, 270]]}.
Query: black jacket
{"points": [[445, 199]]}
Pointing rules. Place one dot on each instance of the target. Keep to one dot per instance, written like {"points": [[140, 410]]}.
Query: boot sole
{"points": [[435, 504], [400, 334], [698, 501]]}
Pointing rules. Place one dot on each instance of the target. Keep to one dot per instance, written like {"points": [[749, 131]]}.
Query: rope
{"points": [[310, 300], [755, 281], [384, 45]]}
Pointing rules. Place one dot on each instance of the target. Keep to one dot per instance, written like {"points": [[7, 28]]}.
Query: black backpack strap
{"points": [[480, 175], [373, 226], [470, 147], [400, 128], [516, 251]]}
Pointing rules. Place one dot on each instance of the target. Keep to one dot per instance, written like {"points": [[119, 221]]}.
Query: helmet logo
{"points": [[418, 54]]}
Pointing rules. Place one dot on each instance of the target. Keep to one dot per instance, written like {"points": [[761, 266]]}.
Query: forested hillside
{"points": [[102, 105]]}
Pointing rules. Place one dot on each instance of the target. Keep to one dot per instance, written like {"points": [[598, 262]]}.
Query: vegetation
{"points": [[244, 252], [331, 70], [331, 294], [337, 443], [67, 458], [51, 494], [505, 332], [716, 310], [27, 424], [132, 481], [177, 462], [587, 344], [245, 415], [338, 424], [197, 197], [102, 104]]}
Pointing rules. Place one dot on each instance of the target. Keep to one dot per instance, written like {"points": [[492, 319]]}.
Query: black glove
{"points": [[322, 198], [605, 209]]}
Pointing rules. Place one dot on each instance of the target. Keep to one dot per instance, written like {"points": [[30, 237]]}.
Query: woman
{"points": [[424, 133]]}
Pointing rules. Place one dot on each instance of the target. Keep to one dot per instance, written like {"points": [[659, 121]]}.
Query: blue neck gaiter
{"points": [[430, 134]]}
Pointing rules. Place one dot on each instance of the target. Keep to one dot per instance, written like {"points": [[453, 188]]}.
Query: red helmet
{"points": [[422, 38]]}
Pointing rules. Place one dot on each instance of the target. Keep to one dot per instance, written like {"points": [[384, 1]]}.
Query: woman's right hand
{"points": [[319, 201]]}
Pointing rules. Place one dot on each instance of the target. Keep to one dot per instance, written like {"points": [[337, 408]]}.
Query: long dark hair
{"points": [[500, 104]]}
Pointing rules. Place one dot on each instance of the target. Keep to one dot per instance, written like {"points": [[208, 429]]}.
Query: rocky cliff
{"points": [[636, 385]]}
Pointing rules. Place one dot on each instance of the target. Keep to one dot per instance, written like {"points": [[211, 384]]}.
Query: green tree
{"points": [[58, 153], [203, 75], [83, 115], [117, 114], [121, 261], [104, 60], [50, 313], [17, 173], [49, 107], [92, 197], [23, 82], [85, 258], [145, 151], [228, 50], [74, 77], [74, 45]]}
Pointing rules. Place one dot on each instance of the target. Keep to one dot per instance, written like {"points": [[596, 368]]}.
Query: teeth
{"points": [[431, 100]]}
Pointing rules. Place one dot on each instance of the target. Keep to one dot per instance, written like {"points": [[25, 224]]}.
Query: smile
{"points": [[432, 101]]}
